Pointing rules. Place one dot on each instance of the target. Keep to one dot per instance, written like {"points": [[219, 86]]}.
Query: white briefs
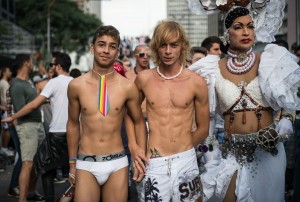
{"points": [[102, 170]]}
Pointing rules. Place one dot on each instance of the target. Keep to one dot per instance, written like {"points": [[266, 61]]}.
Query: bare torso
{"points": [[101, 135], [170, 105], [131, 75], [251, 120]]}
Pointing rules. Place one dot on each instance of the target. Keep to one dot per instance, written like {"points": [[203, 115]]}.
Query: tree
{"points": [[70, 27]]}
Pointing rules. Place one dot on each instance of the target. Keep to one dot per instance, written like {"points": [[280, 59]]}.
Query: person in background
{"points": [[29, 128], [197, 53], [75, 73], [213, 45], [52, 153], [4, 86]]}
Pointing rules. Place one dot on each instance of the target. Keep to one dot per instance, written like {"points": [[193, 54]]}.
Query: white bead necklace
{"points": [[169, 78], [240, 63]]}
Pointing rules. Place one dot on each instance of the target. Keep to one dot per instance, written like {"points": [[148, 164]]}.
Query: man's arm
{"points": [[73, 128], [34, 104], [201, 111], [136, 127]]}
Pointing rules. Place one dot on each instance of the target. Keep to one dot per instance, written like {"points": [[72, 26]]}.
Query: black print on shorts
{"points": [[151, 191], [190, 188]]}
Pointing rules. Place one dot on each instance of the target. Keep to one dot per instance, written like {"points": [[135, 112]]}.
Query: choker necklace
{"points": [[240, 63], [169, 78], [103, 74]]}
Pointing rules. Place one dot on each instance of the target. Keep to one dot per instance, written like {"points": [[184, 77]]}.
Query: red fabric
{"points": [[119, 68]]}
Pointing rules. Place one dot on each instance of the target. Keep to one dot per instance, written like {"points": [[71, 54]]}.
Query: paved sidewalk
{"points": [[59, 188]]}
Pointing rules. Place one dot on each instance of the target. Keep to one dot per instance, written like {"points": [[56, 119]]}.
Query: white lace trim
{"points": [[279, 78], [267, 19]]}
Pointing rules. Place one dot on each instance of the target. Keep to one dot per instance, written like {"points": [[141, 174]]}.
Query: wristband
{"points": [[288, 117], [72, 160]]}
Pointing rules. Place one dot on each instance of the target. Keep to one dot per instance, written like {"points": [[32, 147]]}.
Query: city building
{"points": [[13, 39]]}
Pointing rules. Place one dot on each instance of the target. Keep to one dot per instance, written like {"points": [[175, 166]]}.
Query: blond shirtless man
{"points": [[97, 158], [172, 94]]}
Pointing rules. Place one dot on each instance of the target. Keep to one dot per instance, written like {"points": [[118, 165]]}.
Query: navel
{"points": [[101, 140]]}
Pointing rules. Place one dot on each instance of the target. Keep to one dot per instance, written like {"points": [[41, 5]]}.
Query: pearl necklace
{"points": [[103, 74], [240, 63], [169, 78]]}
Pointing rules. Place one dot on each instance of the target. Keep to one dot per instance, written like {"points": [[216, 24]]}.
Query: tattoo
{"points": [[154, 153]]}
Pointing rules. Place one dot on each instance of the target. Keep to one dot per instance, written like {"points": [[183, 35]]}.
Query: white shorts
{"points": [[172, 178], [3, 116], [102, 170]]}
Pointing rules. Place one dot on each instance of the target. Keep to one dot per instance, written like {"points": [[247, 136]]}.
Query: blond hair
{"points": [[169, 31]]}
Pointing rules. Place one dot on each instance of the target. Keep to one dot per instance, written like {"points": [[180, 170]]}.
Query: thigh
{"points": [[28, 141], [116, 187], [86, 187], [230, 194]]}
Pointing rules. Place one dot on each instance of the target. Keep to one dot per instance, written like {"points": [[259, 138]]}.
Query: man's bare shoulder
{"points": [[196, 78], [78, 82], [146, 74]]}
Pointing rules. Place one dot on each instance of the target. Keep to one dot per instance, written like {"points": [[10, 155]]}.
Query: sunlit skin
{"points": [[169, 53], [170, 106], [241, 33], [143, 62], [90, 133], [241, 36], [215, 49], [105, 50]]}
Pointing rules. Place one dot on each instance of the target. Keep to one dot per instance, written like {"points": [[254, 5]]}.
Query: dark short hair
{"points": [[20, 60], [107, 30], [209, 41], [75, 73], [198, 49], [64, 60]]}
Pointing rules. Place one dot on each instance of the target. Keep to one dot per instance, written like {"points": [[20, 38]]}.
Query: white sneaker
{"points": [[7, 152]]}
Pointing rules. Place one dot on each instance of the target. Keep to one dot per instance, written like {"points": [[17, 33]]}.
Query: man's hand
{"points": [[7, 120], [284, 127], [139, 159], [72, 174]]}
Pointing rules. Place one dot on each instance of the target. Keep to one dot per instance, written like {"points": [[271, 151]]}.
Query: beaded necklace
{"points": [[240, 63], [169, 78]]}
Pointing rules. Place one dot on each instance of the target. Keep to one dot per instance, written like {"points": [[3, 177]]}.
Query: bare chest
{"points": [[90, 98], [175, 93]]}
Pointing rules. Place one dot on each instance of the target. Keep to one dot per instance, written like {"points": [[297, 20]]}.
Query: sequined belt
{"points": [[243, 146]]}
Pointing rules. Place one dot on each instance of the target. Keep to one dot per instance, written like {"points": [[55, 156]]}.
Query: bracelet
{"points": [[72, 160], [288, 117], [72, 176]]}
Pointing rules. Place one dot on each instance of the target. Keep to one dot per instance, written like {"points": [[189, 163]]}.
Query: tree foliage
{"points": [[70, 27]]}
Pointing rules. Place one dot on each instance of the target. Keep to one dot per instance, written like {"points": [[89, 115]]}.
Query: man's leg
{"points": [[86, 187], [116, 183], [48, 185], [230, 195], [24, 179]]}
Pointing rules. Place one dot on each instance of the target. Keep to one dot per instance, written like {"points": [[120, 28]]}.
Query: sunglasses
{"points": [[52, 64], [141, 55]]}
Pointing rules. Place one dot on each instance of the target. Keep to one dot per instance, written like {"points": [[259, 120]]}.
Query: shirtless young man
{"points": [[94, 140], [172, 94]]}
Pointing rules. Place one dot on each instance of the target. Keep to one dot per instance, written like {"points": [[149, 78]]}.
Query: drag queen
{"points": [[250, 163]]}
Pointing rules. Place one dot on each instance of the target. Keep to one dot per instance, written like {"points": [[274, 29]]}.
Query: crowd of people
{"points": [[208, 123]]}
